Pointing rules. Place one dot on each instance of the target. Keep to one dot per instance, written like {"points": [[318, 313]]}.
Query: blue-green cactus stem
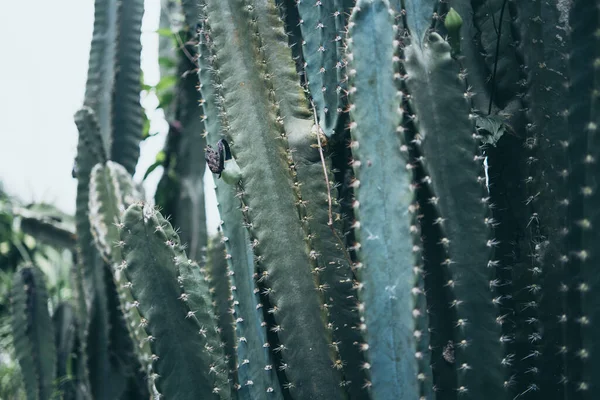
{"points": [[323, 24], [257, 144], [33, 332], [101, 72], [449, 145], [583, 238], [179, 323], [127, 113], [383, 197], [256, 371]]}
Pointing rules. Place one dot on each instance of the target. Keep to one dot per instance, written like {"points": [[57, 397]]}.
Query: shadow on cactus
{"points": [[407, 195]]}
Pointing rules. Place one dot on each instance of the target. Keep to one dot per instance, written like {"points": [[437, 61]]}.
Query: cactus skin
{"points": [[177, 333], [419, 17], [382, 182], [33, 332]]}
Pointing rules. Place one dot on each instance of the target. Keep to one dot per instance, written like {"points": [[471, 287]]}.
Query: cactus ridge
{"points": [[386, 291]]}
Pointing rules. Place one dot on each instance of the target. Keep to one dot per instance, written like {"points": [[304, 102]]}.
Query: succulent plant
{"points": [[407, 193]]}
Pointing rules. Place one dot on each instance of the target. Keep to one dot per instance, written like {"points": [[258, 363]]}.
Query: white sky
{"points": [[42, 82]]}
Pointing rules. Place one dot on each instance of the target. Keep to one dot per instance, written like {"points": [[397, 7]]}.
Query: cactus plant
{"points": [[408, 203]]}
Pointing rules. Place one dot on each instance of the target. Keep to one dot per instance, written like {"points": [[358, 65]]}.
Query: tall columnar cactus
{"points": [[468, 266]]}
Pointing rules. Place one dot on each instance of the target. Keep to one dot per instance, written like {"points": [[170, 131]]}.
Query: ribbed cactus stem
{"points": [[259, 146], [256, 371], [172, 296], [383, 227]]}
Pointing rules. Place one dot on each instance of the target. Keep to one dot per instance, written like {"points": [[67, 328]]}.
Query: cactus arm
{"points": [[33, 332], [419, 14], [127, 113], [101, 72], [471, 59], [181, 360], [261, 153], [383, 233], [450, 150], [323, 50], [254, 358]]}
